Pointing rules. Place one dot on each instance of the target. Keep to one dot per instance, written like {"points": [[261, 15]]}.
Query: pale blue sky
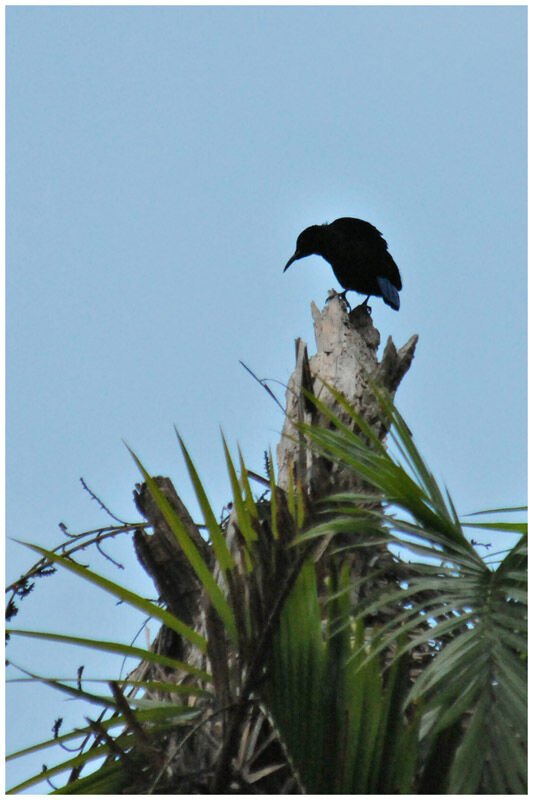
{"points": [[160, 163]]}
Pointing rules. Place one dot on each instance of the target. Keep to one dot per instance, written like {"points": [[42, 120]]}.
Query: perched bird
{"points": [[358, 254]]}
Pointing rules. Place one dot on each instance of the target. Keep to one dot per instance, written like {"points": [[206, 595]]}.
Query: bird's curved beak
{"points": [[295, 257]]}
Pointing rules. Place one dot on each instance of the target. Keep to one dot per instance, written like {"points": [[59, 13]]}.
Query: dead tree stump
{"points": [[346, 357]]}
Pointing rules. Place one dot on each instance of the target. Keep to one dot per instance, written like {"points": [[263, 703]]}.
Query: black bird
{"points": [[358, 254]]}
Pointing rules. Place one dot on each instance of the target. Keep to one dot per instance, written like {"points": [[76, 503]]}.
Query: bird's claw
{"points": [[363, 306], [340, 295]]}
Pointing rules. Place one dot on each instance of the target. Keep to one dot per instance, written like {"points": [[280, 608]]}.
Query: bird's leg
{"points": [[365, 303]]}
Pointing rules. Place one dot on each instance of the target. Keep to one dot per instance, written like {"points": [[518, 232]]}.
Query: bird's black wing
{"points": [[354, 228], [390, 270], [368, 246]]}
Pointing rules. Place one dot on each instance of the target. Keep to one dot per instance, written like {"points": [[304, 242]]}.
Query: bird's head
{"points": [[306, 244]]}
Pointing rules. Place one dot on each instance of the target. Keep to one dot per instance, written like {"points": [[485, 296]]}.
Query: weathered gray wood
{"points": [[346, 357], [176, 582]]}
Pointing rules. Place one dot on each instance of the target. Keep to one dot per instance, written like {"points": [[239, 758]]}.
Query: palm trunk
{"points": [[346, 359]]}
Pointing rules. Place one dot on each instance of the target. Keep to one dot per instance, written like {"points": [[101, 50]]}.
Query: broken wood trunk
{"points": [[346, 358], [232, 749]]}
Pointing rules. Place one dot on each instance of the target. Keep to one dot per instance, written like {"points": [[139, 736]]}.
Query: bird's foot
{"points": [[365, 304], [363, 308], [341, 296]]}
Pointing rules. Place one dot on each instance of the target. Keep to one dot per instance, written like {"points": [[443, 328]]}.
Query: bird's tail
{"points": [[389, 293]]}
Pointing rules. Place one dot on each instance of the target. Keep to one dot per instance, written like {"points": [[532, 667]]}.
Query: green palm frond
{"points": [[407, 676], [342, 722], [189, 548], [469, 616], [127, 596]]}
